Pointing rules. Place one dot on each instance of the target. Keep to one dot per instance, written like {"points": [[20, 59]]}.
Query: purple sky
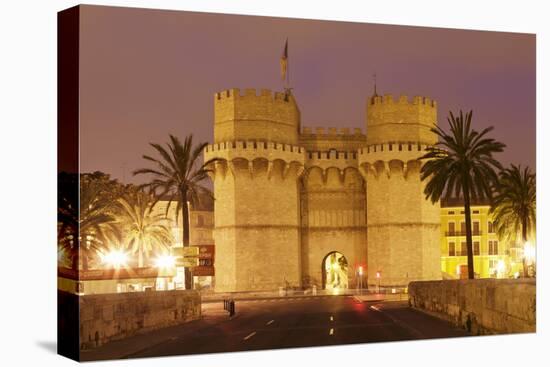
{"points": [[148, 73]]}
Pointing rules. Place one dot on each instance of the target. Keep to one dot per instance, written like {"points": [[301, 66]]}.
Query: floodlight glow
{"points": [[116, 258], [501, 266], [360, 270], [165, 261], [529, 251]]}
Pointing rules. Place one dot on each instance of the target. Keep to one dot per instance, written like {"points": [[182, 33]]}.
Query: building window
{"points": [[476, 248], [463, 249], [463, 228], [451, 229], [493, 247], [451, 211], [451, 249], [490, 227], [476, 211], [200, 220], [476, 229]]}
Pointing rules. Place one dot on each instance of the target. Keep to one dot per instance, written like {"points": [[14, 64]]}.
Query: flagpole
{"points": [[287, 68]]}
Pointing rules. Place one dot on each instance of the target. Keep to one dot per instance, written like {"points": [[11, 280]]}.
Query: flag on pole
{"points": [[284, 61]]}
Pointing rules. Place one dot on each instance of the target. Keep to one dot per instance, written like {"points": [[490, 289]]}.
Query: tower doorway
{"points": [[335, 271]]}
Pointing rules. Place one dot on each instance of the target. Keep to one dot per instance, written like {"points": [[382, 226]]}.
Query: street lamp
{"points": [[529, 252], [115, 258], [165, 261], [378, 276], [360, 271], [500, 268]]}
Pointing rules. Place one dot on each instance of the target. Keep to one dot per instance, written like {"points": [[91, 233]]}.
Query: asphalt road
{"points": [[300, 322]]}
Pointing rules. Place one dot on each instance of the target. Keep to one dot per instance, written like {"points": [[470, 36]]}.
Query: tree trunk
{"points": [[466, 191], [140, 256], [524, 239], [185, 235]]}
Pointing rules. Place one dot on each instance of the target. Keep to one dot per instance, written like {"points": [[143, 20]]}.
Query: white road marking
{"points": [[375, 308], [249, 335], [331, 318], [331, 332], [270, 322]]}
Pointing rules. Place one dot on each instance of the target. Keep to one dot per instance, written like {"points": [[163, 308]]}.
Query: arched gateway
{"points": [[335, 271]]}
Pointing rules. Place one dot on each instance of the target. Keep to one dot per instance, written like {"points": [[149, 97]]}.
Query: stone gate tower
{"points": [[287, 199], [402, 227], [255, 186]]}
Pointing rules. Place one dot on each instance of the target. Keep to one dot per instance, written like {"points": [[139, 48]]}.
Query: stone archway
{"points": [[334, 270]]}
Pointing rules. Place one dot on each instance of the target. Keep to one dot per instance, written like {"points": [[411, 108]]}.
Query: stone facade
{"points": [[482, 306], [288, 197]]}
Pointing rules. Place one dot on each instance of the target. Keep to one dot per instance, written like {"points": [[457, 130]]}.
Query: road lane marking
{"points": [[249, 335], [331, 318], [375, 308], [270, 322], [331, 332]]}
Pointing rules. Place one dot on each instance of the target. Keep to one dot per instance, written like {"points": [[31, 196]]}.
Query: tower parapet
{"points": [[401, 120], [325, 139], [255, 115]]}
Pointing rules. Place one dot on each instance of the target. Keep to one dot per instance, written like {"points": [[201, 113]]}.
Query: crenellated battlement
{"points": [[252, 94], [401, 119], [324, 139], [253, 114], [253, 145], [332, 132], [394, 147], [388, 99]]}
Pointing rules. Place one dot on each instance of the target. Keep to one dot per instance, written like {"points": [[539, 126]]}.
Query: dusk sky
{"points": [[148, 73]]}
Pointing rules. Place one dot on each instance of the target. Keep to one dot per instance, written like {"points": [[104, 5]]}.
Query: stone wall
{"points": [[107, 317], [482, 306]]}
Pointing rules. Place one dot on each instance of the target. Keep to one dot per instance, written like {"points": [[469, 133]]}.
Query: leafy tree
{"points": [[144, 230], [86, 226], [178, 175], [461, 164], [514, 206]]}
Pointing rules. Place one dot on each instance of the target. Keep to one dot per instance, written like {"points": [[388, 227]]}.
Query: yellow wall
{"points": [[482, 262]]}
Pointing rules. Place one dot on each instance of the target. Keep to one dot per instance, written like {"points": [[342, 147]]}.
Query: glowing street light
{"points": [[529, 252], [165, 261], [501, 267], [116, 258]]}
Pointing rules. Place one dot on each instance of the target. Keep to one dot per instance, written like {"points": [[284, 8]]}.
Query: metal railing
{"points": [[461, 233]]}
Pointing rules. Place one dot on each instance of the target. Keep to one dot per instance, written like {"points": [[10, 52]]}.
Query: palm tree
{"points": [[178, 175], [461, 164], [85, 227], [144, 231], [514, 205]]}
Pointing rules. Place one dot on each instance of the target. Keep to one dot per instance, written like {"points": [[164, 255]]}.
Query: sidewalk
{"points": [[381, 297]]}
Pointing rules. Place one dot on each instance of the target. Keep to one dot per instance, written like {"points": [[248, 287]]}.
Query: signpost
{"points": [[206, 260], [200, 258]]}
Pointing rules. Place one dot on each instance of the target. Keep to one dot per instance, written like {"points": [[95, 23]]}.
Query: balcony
{"points": [[461, 233]]}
